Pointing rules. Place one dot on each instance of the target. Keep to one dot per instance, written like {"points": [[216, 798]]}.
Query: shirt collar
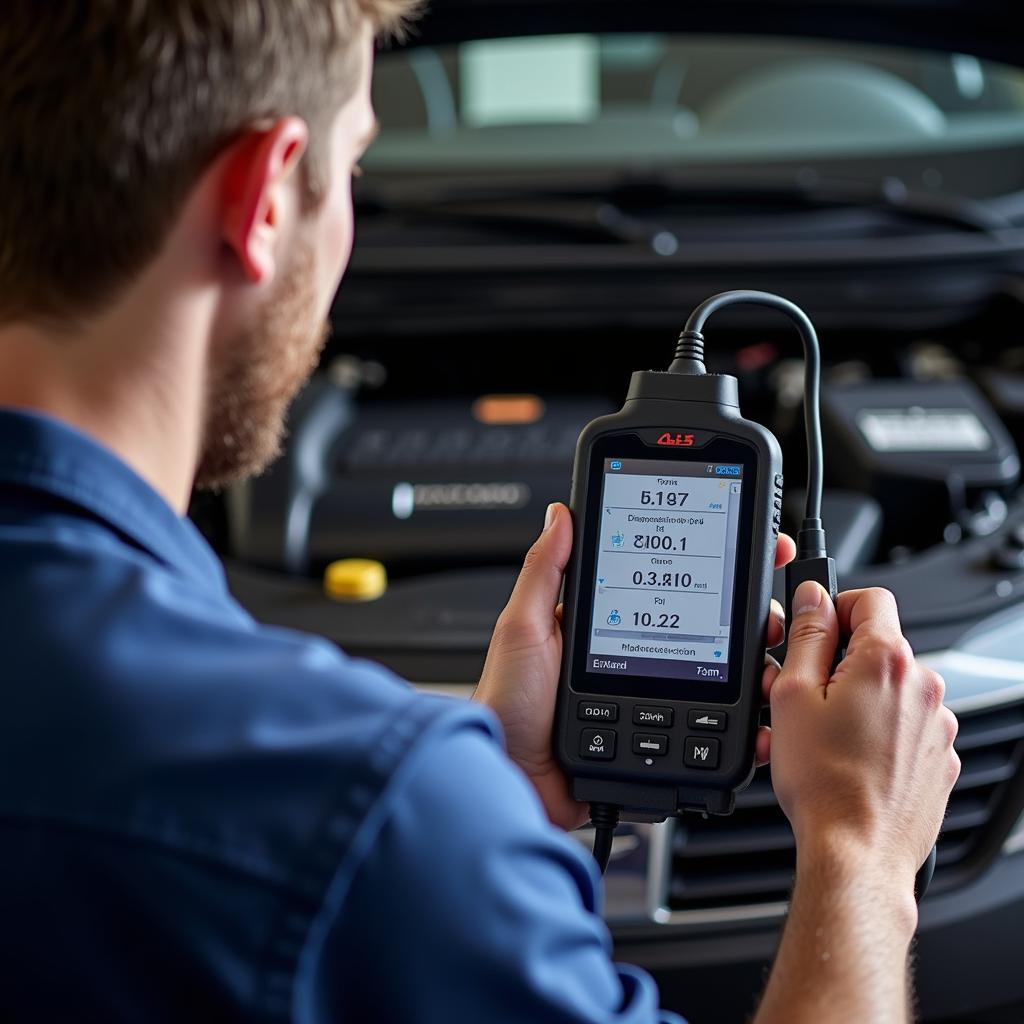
{"points": [[49, 456]]}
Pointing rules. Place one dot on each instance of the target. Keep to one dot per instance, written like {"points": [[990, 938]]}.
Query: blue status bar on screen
{"points": [[728, 470]]}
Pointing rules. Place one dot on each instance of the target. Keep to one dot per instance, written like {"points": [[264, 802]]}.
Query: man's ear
{"points": [[260, 191]]}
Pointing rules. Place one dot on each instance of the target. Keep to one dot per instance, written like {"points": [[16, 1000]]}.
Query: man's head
{"points": [[217, 136]]}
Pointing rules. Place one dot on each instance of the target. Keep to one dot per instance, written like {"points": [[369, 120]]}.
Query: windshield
{"points": [[653, 101]]}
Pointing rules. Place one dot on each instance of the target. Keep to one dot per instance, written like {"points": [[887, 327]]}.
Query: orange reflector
{"points": [[504, 409]]}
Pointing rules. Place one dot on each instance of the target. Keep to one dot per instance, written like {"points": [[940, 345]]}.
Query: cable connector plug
{"points": [[811, 563]]}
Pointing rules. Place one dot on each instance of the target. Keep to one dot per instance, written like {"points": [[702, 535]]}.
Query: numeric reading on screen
{"points": [[665, 569], [670, 498], [659, 542]]}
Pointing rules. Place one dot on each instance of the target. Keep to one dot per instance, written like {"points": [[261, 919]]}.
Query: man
{"points": [[206, 819]]}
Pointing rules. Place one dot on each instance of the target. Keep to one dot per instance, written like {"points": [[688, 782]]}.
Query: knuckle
{"points": [[531, 563], [951, 724], [499, 636], [876, 607], [783, 686], [954, 768], [933, 689], [872, 638], [789, 685], [809, 630], [891, 655], [512, 632], [881, 596], [538, 569], [899, 661]]}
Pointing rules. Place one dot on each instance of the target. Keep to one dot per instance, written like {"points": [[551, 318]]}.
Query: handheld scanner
{"points": [[676, 500]]}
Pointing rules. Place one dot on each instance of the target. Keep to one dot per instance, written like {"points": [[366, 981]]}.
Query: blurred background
{"points": [[555, 187]]}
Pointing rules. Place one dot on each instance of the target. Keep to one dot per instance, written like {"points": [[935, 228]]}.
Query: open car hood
{"points": [[982, 28]]}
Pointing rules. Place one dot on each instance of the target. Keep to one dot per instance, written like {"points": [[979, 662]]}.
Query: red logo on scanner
{"points": [[676, 441]]}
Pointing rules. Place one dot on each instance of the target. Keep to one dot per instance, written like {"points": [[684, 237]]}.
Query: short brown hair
{"points": [[111, 109]]}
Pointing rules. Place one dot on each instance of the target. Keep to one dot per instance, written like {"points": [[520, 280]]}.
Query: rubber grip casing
{"points": [[659, 401]]}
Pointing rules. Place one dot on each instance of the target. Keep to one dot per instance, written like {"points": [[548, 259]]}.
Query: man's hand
{"points": [[863, 764], [520, 677], [862, 758]]}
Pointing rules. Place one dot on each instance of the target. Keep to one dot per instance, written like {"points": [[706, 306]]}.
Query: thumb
{"points": [[536, 591], [813, 637]]}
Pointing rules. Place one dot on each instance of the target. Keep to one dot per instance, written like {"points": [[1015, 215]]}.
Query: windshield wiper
{"points": [[583, 215], [810, 189], [602, 210], [890, 194]]}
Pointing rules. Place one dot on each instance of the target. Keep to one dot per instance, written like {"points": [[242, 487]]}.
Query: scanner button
{"points": [[598, 744], [713, 720], [589, 711], [701, 752], [661, 717], [646, 745]]}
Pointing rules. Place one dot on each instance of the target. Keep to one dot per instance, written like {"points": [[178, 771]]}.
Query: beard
{"points": [[255, 378]]}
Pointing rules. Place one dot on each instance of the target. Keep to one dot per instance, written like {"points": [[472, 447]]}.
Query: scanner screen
{"points": [[665, 569]]}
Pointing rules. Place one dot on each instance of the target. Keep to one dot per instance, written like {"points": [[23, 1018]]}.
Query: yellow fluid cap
{"points": [[355, 579]]}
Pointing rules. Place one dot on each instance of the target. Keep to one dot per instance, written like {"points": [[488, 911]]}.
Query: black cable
{"points": [[605, 819], [690, 356], [812, 561]]}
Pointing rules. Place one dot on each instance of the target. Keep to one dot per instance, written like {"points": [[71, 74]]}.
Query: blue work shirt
{"points": [[203, 818]]}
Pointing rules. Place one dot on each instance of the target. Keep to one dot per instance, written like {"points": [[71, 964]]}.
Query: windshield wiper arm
{"points": [[601, 209], [810, 189], [581, 214], [892, 193]]}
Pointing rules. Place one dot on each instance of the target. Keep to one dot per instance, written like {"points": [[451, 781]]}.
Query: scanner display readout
{"points": [[665, 569]]}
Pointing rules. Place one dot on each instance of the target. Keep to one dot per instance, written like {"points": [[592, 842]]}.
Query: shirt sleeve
{"points": [[471, 906]]}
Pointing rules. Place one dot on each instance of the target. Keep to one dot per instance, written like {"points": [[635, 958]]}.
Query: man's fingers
{"points": [[873, 610], [776, 625], [768, 677], [785, 550], [763, 745], [536, 591], [813, 636]]}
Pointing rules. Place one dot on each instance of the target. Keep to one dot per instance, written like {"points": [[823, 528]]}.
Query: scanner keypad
{"points": [[651, 736]]}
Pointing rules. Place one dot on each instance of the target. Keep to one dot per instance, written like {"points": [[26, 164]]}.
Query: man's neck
{"points": [[132, 379]]}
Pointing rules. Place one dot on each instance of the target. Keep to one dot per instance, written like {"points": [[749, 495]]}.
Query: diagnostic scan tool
{"points": [[677, 505]]}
